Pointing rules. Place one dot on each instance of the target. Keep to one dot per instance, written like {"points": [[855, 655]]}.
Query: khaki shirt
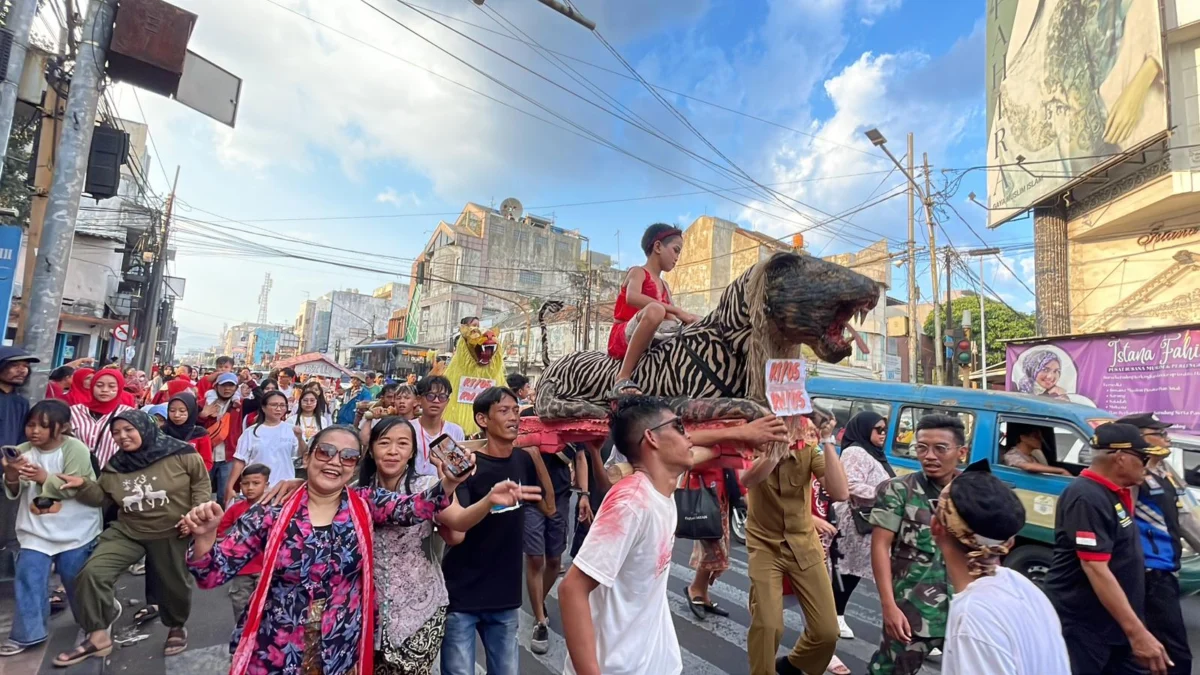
{"points": [[779, 509]]}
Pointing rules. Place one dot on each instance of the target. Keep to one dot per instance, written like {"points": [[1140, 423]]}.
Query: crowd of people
{"points": [[351, 539]]}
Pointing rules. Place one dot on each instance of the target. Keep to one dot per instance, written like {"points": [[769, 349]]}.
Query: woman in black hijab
{"points": [[866, 467], [154, 480]]}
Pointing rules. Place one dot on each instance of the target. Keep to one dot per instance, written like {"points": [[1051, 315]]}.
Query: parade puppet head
{"points": [[481, 345]]}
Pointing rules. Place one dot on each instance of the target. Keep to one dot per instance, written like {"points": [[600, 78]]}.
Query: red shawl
{"points": [[106, 408], [79, 393], [360, 515]]}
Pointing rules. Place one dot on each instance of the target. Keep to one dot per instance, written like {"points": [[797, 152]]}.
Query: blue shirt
{"points": [[13, 409]]}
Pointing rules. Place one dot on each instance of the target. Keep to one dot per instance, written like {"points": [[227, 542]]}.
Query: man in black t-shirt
{"points": [[1096, 580], [483, 573]]}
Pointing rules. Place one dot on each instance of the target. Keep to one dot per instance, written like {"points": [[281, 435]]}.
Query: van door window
{"points": [[1042, 447], [902, 446], [843, 409]]}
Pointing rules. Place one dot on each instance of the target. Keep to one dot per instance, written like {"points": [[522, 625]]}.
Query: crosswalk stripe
{"points": [[692, 664]]}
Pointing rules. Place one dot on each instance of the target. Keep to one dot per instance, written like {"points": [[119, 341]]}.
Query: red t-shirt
{"points": [[203, 448], [236, 509]]}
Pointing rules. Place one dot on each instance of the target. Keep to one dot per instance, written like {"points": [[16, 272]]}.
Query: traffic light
{"points": [[962, 352]]}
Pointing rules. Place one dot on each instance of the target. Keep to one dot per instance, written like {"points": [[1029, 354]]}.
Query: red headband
{"points": [[665, 234]]}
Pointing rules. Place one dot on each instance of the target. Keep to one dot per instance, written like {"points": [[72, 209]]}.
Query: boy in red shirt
{"points": [[644, 304], [253, 485]]}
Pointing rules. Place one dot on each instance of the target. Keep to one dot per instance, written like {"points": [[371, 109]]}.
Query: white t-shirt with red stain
{"points": [[628, 552]]}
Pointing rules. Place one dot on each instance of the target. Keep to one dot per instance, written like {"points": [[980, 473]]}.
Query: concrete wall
{"points": [[351, 318], [91, 275]]}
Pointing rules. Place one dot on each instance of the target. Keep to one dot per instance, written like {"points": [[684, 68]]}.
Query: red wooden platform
{"points": [[549, 436]]}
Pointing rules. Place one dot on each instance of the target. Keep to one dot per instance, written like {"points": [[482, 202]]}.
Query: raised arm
{"points": [[546, 505], [392, 508]]}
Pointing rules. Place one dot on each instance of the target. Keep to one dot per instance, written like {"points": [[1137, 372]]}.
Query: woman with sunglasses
{"points": [[314, 608], [866, 468]]}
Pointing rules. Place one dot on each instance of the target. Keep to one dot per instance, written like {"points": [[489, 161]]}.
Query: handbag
{"points": [[699, 512]]}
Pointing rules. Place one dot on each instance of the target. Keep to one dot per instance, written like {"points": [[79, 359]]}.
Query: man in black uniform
{"points": [[1161, 521], [1097, 578]]}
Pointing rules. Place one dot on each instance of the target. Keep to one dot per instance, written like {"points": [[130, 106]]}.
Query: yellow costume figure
{"points": [[476, 360]]}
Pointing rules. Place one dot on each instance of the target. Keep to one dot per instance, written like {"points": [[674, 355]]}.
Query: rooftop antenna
{"points": [[263, 295]]}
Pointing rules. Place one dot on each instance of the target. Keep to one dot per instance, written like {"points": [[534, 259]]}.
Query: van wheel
{"points": [[1031, 560]]}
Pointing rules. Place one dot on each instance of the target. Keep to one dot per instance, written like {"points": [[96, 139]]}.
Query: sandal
{"points": [[626, 387], [83, 652], [10, 648], [146, 613], [176, 641], [695, 604], [836, 667]]}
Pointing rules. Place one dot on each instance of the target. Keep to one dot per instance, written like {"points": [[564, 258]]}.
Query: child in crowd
{"points": [[644, 305], [253, 485], [52, 528]]}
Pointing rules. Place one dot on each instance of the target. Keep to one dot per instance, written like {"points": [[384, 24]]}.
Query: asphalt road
{"points": [[709, 647]]}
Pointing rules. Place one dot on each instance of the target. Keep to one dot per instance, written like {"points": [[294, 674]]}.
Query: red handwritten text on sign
{"points": [[786, 392], [469, 388]]}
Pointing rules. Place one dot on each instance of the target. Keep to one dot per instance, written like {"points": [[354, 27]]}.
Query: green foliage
{"points": [[14, 194], [1002, 323]]}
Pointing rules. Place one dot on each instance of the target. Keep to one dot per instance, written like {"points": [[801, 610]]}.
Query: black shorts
{"points": [[546, 536]]}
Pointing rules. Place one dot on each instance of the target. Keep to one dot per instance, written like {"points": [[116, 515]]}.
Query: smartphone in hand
{"points": [[453, 456], [11, 452]]}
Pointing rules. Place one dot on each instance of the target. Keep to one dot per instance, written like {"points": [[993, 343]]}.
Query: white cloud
{"points": [[1027, 266], [406, 200], [870, 10]]}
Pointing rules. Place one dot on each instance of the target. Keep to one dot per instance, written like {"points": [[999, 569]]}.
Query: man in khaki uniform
{"points": [[782, 541]]}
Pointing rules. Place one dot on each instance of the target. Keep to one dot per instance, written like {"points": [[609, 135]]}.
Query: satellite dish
{"points": [[511, 208]]}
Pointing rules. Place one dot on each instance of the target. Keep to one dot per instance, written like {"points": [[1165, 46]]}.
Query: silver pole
{"points": [[982, 329], [58, 234]]}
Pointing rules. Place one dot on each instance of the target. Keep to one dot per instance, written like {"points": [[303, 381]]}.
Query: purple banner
{"points": [[1150, 372]]}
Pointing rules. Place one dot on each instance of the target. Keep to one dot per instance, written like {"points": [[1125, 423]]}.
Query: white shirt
{"points": [[274, 446], [1003, 625], [628, 552], [74, 525], [424, 441]]}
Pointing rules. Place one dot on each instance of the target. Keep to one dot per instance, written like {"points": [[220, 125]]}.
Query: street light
{"points": [[939, 354], [981, 253]]}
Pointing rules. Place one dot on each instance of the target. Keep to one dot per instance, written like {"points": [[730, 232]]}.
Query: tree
{"points": [[14, 193], [1003, 323]]}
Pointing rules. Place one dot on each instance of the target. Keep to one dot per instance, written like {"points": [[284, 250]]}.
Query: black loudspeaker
{"points": [[110, 149]]}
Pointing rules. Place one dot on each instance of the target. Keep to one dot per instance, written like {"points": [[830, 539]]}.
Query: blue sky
{"points": [[330, 127]]}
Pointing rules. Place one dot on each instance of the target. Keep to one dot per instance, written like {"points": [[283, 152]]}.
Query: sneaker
{"points": [[844, 630], [539, 643]]}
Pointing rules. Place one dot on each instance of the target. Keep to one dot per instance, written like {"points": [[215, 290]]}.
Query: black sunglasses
{"points": [[437, 398], [1145, 459], [880, 430], [675, 422], [328, 452]]}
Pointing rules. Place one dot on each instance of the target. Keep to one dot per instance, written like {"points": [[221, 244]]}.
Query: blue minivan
{"points": [[1067, 428]]}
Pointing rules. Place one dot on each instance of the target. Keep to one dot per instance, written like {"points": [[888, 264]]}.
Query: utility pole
{"points": [[939, 349], [153, 302], [49, 130], [20, 22], [565, 10], [914, 330], [981, 253], [949, 311], [58, 234]]}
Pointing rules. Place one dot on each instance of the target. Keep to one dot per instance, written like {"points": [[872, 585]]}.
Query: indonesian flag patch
{"points": [[1085, 538]]}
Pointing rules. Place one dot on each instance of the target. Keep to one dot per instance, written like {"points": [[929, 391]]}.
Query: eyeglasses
{"points": [[939, 449], [880, 430], [1143, 457], [437, 398], [328, 451], [1155, 433], [277, 405], [675, 422]]}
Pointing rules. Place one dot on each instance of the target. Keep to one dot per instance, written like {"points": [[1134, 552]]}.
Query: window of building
{"points": [[893, 346], [528, 278], [905, 432]]}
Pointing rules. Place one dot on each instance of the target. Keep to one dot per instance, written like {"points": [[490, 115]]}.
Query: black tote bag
{"points": [[699, 512]]}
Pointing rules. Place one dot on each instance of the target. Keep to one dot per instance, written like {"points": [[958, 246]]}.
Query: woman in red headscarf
{"points": [[90, 420], [81, 387]]}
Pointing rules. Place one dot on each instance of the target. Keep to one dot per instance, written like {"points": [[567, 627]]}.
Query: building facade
{"points": [[344, 319], [487, 263]]}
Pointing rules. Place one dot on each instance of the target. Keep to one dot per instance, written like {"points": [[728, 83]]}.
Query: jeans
{"points": [[499, 633], [219, 476], [32, 615]]}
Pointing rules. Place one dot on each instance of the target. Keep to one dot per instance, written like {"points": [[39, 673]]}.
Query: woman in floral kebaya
{"points": [[313, 611]]}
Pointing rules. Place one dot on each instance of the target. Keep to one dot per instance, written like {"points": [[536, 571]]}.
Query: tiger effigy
{"points": [[715, 368]]}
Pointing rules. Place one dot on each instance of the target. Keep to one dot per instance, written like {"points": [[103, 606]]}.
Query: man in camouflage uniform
{"points": [[909, 571]]}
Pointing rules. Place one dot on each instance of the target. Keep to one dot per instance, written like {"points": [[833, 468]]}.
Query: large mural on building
{"points": [[1142, 372], [1070, 84]]}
